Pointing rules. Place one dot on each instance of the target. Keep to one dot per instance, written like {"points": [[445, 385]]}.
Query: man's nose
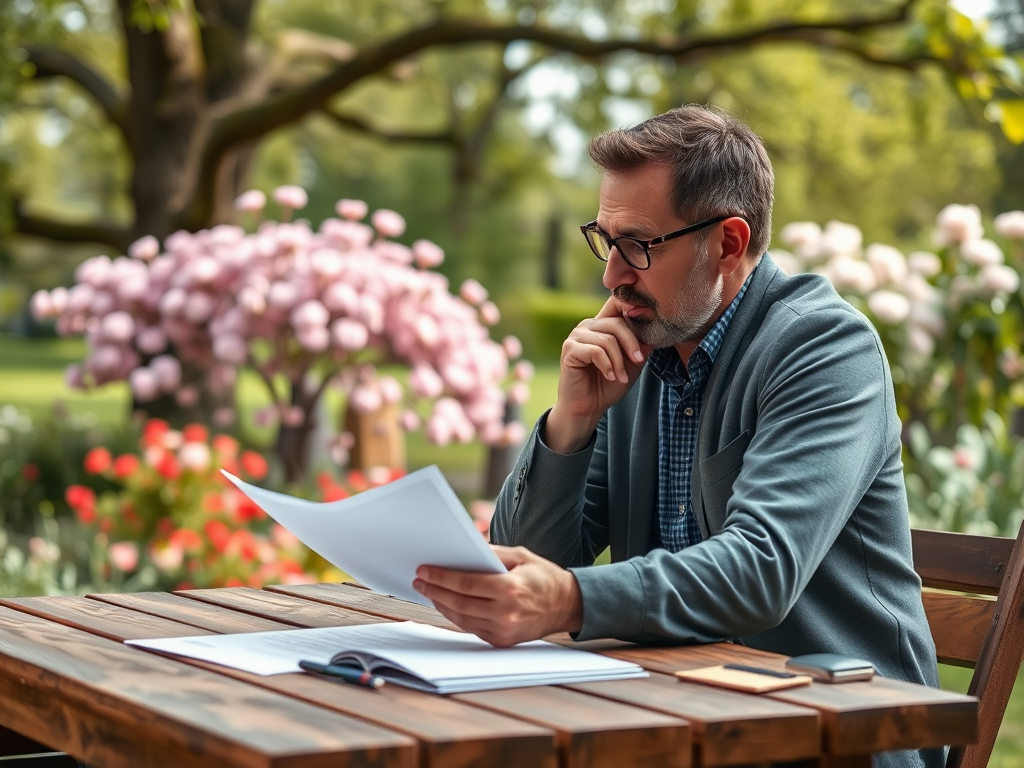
{"points": [[617, 271]]}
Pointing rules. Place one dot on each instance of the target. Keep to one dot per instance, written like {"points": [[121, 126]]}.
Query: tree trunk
{"points": [[293, 441]]}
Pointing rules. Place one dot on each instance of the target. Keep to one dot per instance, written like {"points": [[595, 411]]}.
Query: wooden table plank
{"points": [[595, 732], [280, 607], [869, 716], [729, 728], [358, 598], [118, 707], [452, 735], [195, 612]]}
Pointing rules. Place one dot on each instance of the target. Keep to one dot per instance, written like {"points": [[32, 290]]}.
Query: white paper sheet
{"points": [[381, 536], [451, 661]]}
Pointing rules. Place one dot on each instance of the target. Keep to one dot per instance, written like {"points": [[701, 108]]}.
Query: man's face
{"points": [[674, 301]]}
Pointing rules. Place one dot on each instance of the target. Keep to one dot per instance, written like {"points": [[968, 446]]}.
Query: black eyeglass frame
{"points": [[613, 242]]}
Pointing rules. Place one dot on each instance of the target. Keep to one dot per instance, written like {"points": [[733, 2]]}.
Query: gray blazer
{"points": [[797, 487]]}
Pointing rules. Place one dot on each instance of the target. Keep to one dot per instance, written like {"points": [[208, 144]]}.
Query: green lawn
{"points": [[31, 378]]}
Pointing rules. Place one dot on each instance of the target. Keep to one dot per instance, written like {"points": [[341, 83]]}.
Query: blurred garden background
{"points": [[321, 243]]}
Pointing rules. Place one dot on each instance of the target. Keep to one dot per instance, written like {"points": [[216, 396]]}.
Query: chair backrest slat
{"points": [[975, 631], [959, 561]]}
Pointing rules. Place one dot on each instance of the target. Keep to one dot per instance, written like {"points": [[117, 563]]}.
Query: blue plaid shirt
{"points": [[682, 391]]}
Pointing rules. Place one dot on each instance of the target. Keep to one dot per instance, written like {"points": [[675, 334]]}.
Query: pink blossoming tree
{"points": [[304, 309]]}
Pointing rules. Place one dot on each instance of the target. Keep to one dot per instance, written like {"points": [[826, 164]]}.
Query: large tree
{"points": [[198, 87]]}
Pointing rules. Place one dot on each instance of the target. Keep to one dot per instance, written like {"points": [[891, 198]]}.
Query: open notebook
{"points": [[405, 653]]}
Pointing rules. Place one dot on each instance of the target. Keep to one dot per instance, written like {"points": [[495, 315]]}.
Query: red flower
{"points": [[195, 433], [242, 544], [185, 585], [225, 446], [168, 467], [254, 465], [358, 480], [153, 431], [125, 465], [97, 460], [234, 581], [335, 493], [218, 534], [30, 473], [187, 539], [80, 497], [165, 526], [213, 502]]}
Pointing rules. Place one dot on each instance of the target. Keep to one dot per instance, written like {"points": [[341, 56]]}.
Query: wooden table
{"points": [[67, 682]]}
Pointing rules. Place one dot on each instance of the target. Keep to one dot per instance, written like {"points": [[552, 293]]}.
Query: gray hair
{"points": [[719, 166]]}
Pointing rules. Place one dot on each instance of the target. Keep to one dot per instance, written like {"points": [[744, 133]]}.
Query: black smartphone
{"points": [[831, 667]]}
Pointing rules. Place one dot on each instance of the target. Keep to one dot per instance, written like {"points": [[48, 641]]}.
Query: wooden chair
{"points": [[971, 630]]}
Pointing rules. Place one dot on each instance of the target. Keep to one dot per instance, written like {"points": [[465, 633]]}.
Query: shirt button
{"points": [[682, 509], [688, 411]]}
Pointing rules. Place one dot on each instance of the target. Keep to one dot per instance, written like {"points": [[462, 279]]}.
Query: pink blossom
{"points": [[981, 252], [919, 341], [963, 458], [252, 300], [106, 358], [204, 270], [341, 297], [102, 303], [515, 433], [42, 305], [889, 306], [519, 393], [313, 338], [840, 239], [349, 335], [425, 381], [118, 326], [80, 297], [513, 347], [958, 224], [523, 370], [291, 197], [167, 370], [145, 248], [264, 417], [889, 264], [283, 295], [473, 293], [195, 456], [395, 252], [427, 330], [73, 376], [186, 397], [230, 349], [366, 399], [492, 432], [59, 299], [310, 313], [94, 271], [924, 263], [1010, 224], [439, 430], [124, 555], [427, 255], [327, 262], [224, 416], [199, 307], [293, 416], [409, 420], [251, 201], [353, 210], [851, 274], [388, 223], [144, 384], [489, 313], [995, 279], [804, 237], [173, 302], [390, 389]]}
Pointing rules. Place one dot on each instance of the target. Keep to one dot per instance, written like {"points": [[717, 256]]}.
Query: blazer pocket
{"points": [[717, 474]]}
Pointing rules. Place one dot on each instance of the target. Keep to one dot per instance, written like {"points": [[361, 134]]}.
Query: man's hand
{"points": [[600, 361], [535, 598]]}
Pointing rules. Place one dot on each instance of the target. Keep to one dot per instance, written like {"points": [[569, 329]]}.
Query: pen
{"points": [[759, 670], [349, 675]]}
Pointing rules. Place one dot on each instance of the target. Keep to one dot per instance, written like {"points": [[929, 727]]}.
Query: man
{"points": [[729, 431]]}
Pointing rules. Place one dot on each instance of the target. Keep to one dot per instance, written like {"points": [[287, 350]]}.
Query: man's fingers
{"points": [[511, 556], [597, 349], [482, 585]]}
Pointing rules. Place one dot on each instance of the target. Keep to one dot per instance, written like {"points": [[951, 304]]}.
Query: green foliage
{"points": [[552, 315], [976, 486]]}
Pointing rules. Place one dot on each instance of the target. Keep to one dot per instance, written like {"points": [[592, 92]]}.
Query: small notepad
{"points": [[740, 680]]}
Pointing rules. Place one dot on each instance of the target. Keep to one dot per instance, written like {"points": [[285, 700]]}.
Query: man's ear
{"points": [[735, 239]]}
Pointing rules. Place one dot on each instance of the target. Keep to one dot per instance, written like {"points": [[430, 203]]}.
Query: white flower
{"points": [[920, 341], [924, 263], [251, 201], [803, 237], [981, 252], [889, 264], [841, 239], [998, 278], [889, 306], [1010, 224], [851, 274], [786, 261], [957, 224]]}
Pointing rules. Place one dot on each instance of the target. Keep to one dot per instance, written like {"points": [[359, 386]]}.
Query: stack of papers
{"points": [[405, 653]]}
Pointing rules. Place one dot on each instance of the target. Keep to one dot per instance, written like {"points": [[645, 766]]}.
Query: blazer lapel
{"points": [[643, 466]]}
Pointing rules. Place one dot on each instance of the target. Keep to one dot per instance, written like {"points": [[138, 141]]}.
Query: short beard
{"points": [[694, 305]]}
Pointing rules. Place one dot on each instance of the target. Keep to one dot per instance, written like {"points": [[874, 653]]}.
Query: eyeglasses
{"points": [[635, 251]]}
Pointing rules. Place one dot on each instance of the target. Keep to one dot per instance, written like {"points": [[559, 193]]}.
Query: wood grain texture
{"points": [[280, 607], [728, 728], [882, 714], [960, 561], [116, 706], [359, 598], [451, 735], [594, 732], [998, 664], [959, 624], [211, 617]]}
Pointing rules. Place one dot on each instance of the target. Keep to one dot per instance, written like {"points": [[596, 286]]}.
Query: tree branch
{"points": [[70, 232], [50, 62], [447, 136], [244, 121]]}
